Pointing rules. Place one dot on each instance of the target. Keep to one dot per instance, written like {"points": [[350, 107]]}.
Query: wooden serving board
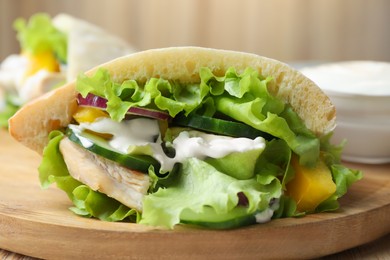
{"points": [[37, 223]]}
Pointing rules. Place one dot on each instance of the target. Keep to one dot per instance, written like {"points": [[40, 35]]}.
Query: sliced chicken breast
{"points": [[127, 186]]}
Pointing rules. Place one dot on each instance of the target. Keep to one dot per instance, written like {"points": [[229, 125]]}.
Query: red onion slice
{"points": [[95, 101], [92, 101]]}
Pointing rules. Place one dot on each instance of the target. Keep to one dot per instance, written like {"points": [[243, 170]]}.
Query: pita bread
{"points": [[88, 45], [34, 121]]}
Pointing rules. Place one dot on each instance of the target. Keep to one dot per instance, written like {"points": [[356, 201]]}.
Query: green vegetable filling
{"points": [[243, 97], [198, 190], [39, 35]]}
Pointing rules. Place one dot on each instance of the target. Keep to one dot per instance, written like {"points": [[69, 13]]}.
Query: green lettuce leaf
{"points": [[199, 185], [100, 84], [275, 161], [6, 112], [259, 109], [249, 112], [86, 202], [40, 35], [343, 176], [156, 93], [287, 208], [247, 100], [331, 153], [240, 165]]}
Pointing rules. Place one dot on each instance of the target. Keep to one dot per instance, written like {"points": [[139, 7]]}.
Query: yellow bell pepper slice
{"points": [[88, 114], [43, 60], [310, 186]]}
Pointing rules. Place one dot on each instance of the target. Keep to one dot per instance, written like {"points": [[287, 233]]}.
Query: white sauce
{"points": [[142, 131], [352, 77], [195, 144], [266, 215]]}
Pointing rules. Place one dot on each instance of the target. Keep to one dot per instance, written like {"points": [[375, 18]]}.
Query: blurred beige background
{"points": [[288, 30]]}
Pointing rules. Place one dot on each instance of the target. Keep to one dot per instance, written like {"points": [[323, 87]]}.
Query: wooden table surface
{"points": [[378, 247]]}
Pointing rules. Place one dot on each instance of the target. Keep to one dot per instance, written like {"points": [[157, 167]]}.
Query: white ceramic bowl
{"points": [[360, 90]]}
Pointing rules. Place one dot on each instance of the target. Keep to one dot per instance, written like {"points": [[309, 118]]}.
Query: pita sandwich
{"points": [[187, 135]]}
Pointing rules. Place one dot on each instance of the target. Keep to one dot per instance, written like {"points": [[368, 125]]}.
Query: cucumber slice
{"points": [[219, 126], [238, 217], [100, 146]]}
